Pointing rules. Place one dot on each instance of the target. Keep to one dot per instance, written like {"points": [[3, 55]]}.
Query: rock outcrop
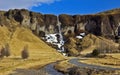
{"points": [[88, 71], [105, 24]]}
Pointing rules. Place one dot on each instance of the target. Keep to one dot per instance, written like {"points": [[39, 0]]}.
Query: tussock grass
{"points": [[111, 60], [91, 42], [40, 53], [63, 66], [71, 46], [113, 11], [4, 35]]}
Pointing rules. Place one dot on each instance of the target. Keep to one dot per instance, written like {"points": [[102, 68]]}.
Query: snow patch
{"points": [[80, 36], [51, 38]]}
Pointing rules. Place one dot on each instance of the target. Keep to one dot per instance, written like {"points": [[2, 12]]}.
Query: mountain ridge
{"points": [[97, 24]]}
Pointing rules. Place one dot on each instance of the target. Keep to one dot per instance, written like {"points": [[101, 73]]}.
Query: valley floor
{"points": [[22, 66], [40, 54], [36, 60], [110, 60]]}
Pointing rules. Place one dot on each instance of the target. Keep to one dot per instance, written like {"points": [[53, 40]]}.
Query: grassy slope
{"points": [[112, 60], [113, 11], [91, 42], [4, 35], [40, 53], [63, 66]]}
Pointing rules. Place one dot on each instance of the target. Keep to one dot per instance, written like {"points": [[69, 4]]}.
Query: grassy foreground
{"points": [[63, 66], [40, 53], [111, 60]]}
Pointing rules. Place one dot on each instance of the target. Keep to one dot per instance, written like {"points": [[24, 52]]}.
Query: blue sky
{"points": [[61, 6], [77, 6]]}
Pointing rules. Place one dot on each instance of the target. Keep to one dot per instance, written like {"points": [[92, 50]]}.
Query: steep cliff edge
{"points": [[105, 23]]}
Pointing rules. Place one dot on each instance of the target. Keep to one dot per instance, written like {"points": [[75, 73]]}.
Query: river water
{"points": [[51, 71]]}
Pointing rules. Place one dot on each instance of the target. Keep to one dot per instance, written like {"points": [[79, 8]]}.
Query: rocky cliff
{"points": [[105, 23]]}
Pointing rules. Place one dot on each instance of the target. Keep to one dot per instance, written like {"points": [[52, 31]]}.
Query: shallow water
{"points": [[51, 71]]}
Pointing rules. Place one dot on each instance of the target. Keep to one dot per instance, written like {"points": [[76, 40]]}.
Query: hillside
{"points": [[103, 24], [39, 51], [113, 11], [92, 42], [80, 34]]}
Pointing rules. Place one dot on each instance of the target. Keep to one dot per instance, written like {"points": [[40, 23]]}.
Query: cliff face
{"points": [[105, 24]]}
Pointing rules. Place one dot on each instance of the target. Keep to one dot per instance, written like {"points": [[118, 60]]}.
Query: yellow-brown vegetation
{"points": [[71, 46], [63, 66], [40, 53], [111, 60], [91, 42]]}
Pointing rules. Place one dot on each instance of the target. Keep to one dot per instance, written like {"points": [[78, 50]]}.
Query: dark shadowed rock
{"points": [[66, 20], [67, 23], [78, 71], [50, 23], [105, 24], [88, 71]]}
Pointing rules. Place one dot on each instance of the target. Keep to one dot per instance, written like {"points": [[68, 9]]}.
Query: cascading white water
{"points": [[56, 38], [61, 36]]}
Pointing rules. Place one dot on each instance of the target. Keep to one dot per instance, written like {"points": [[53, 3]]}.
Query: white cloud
{"points": [[18, 4]]}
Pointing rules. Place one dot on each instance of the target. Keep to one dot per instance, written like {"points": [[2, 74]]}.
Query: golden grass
{"points": [[71, 45], [114, 55], [111, 60], [88, 50], [4, 35], [88, 40], [109, 41], [91, 42], [40, 53], [113, 11], [63, 66]]}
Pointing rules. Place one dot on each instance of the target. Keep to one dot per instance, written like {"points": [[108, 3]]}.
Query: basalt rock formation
{"points": [[105, 23]]}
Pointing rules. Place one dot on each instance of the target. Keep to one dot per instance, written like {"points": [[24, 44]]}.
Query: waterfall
{"points": [[61, 36], [56, 39]]}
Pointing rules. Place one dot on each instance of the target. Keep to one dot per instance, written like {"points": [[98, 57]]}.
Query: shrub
{"points": [[7, 50], [25, 53], [77, 71], [119, 47], [95, 52], [69, 32], [42, 33], [2, 52]]}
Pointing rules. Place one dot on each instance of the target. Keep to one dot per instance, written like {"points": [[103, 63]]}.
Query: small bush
{"points": [[119, 47], [25, 53], [69, 32], [2, 52], [7, 50], [95, 52], [42, 33]]}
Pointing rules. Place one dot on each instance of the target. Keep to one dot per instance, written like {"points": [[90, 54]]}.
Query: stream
{"points": [[49, 69], [76, 62]]}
